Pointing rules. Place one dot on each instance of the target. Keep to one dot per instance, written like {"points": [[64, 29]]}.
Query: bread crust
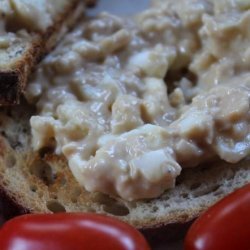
{"points": [[13, 80], [156, 236]]}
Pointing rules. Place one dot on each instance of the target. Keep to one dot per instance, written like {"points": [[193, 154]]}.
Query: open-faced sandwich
{"points": [[145, 118]]}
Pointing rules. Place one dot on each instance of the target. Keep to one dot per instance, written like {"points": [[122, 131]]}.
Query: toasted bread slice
{"points": [[42, 183], [24, 42]]}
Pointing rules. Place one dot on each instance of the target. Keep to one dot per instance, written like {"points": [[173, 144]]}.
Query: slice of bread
{"points": [[21, 48], [42, 183]]}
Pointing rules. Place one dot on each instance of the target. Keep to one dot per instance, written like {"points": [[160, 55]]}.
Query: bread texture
{"points": [[42, 183], [18, 61]]}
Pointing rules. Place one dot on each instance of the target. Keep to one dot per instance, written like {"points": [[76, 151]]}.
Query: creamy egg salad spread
{"points": [[131, 101]]}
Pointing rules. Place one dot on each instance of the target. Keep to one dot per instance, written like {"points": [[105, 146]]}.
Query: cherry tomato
{"points": [[69, 231], [226, 225]]}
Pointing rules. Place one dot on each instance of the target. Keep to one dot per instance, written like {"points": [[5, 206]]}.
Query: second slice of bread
{"points": [[21, 56]]}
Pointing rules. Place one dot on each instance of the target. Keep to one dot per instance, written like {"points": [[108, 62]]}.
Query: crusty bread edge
{"points": [[154, 235], [13, 81]]}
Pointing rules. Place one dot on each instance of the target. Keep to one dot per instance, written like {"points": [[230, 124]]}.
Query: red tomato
{"points": [[67, 231], [225, 226]]}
